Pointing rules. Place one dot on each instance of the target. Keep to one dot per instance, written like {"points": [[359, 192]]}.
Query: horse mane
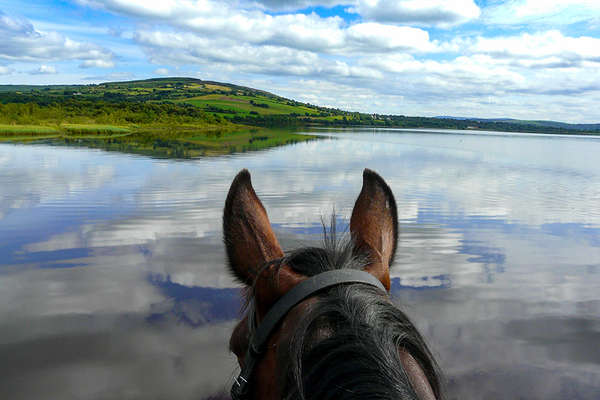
{"points": [[347, 345]]}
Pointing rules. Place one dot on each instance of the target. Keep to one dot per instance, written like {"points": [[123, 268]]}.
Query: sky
{"points": [[526, 59]]}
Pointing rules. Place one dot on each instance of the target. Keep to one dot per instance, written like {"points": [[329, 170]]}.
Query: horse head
{"points": [[340, 337]]}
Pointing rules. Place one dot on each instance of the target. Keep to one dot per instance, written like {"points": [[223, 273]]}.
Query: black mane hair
{"points": [[346, 346]]}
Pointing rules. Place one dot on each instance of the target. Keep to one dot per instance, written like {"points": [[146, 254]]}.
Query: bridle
{"points": [[240, 389]]}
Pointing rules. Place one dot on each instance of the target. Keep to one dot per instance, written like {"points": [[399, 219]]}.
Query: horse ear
{"points": [[374, 225], [249, 239]]}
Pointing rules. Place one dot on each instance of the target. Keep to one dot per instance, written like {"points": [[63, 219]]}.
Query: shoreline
{"points": [[186, 141]]}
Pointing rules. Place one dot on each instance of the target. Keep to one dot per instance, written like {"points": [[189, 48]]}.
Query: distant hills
{"points": [[225, 103], [553, 124]]}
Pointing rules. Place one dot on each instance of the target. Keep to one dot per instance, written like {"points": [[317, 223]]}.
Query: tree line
{"points": [[100, 111]]}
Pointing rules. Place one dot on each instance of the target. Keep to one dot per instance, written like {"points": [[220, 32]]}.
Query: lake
{"points": [[113, 284]]}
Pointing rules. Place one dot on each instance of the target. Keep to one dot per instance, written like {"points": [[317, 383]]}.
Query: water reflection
{"points": [[112, 278], [195, 305]]}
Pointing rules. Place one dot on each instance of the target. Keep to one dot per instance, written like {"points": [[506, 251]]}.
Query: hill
{"points": [[213, 97]]}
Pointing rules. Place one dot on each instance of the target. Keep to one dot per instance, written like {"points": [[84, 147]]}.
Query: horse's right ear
{"points": [[249, 239]]}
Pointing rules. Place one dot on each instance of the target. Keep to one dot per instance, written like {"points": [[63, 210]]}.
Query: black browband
{"points": [[240, 389]]}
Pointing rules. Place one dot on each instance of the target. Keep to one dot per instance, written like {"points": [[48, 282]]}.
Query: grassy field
{"points": [[245, 105], [26, 130], [17, 132], [94, 129]]}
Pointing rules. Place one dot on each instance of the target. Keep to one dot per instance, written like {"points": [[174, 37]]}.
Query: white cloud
{"points": [[336, 95], [298, 31], [541, 7], [171, 9], [114, 76], [182, 48], [545, 12], [551, 47], [457, 77], [541, 71], [310, 32], [424, 12], [379, 37], [44, 69], [475, 85], [97, 64], [5, 70], [161, 71], [22, 42], [253, 42], [290, 5]]}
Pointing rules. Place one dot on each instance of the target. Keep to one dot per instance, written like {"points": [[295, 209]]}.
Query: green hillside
{"points": [[205, 94], [238, 104]]}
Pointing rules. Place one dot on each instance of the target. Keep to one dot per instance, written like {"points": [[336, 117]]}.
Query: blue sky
{"points": [[530, 59]]}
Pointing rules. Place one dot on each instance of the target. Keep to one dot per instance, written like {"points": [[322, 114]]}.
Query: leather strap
{"points": [[301, 291]]}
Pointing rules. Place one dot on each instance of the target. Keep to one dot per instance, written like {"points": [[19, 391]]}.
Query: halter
{"points": [[241, 387]]}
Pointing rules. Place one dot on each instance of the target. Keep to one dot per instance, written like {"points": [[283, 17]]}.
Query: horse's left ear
{"points": [[249, 239], [374, 225]]}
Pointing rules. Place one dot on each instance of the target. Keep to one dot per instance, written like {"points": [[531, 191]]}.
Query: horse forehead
{"points": [[240, 337], [277, 350], [296, 313], [273, 283]]}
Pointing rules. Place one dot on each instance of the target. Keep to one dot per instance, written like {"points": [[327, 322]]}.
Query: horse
{"points": [[318, 321]]}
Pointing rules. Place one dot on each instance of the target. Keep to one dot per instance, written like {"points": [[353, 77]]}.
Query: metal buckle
{"points": [[239, 389]]}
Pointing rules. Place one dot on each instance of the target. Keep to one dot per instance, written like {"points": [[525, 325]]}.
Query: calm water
{"points": [[112, 278]]}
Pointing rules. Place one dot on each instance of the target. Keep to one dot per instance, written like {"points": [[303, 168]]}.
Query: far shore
{"points": [[582, 134]]}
